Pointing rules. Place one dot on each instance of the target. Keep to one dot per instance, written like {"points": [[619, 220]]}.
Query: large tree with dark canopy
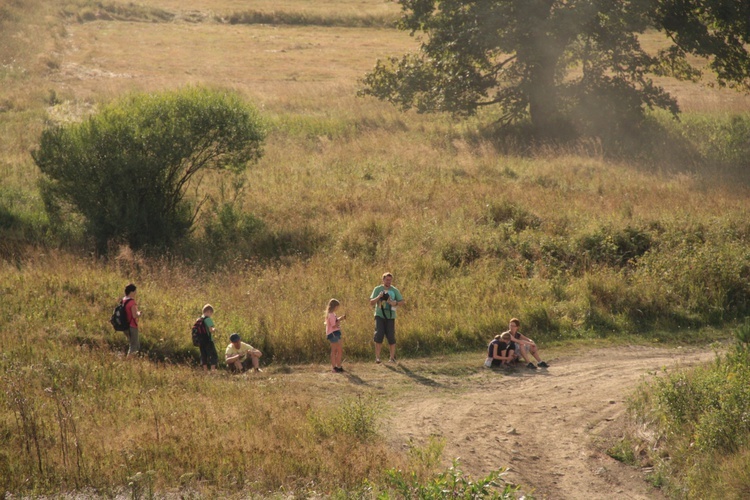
{"points": [[565, 64]]}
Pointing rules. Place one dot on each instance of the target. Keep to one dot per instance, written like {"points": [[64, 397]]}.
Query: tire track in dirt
{"points": [[544, 425]]}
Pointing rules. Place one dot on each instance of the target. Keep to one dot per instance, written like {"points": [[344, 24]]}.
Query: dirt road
{"points": [[549, 427]]}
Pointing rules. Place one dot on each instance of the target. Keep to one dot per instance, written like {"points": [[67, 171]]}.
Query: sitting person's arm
{"points": [[523, 339], [499, 354], [230, 355]]}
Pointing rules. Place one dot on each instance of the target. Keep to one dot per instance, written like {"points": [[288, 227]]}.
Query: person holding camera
{"points": [[386, 299]]}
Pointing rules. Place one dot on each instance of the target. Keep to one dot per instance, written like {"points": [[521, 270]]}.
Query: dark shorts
{"points": [[208, 353], [385, 328], [334, 337]]}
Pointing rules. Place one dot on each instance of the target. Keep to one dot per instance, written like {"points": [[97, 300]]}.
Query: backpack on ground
{"points": [[199, 332], [119, 317]]}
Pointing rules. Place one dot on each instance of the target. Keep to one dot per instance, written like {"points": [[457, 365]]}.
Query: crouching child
{"points": [[241, 356]]}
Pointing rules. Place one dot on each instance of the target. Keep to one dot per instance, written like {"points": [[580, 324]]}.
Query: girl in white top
{"points": [[333, 334]]}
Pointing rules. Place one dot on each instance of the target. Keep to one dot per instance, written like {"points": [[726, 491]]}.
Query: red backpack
{"points": [[199, 332]]}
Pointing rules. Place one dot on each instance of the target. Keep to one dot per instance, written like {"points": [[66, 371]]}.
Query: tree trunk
{"points": [[539, 53], [543, 102]]}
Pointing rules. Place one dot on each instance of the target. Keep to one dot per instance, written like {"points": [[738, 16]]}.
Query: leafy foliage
{"points": [[127, 169], [453, 483], [701, 422], [561, 63]]}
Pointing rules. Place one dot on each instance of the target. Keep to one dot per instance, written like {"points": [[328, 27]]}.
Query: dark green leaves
{"points": [[127, 168]]}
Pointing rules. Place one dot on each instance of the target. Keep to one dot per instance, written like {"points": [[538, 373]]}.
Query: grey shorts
{"points": [[135, 343], [526, 348], [385, 328]]}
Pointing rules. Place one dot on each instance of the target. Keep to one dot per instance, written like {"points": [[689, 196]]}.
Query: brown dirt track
{"points": [[549, 427]]}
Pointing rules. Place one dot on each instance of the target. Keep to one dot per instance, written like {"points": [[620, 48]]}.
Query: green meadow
{"points": [[646, 243]]}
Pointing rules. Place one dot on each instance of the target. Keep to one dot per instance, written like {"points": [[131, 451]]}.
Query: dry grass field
{"points": [[476, 229]]}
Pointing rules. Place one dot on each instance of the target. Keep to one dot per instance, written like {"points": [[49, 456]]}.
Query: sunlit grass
{"points": [[358, 188]]}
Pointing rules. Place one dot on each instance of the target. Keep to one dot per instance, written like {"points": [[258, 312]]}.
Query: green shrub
{"points": [[355, 418], [614, 247], [701, 422], [511, 214], [704, 279], [127, 169], [453, 483], [622, 451], [461, 252]]}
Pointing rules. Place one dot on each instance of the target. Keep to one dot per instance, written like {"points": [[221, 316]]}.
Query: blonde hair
{"points": [[208, 307], [505, 336], [386, 274], [332, 304]]}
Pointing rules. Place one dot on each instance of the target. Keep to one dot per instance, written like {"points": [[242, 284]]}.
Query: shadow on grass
{"points": [[355, 379], [520, 371], [420, 379]]}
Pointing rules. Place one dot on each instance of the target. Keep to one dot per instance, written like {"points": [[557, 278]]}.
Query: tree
{"points": [[127, 168], [565, 64]]}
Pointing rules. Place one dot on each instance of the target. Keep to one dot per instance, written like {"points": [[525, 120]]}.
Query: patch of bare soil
{"points": [[549, 427]]}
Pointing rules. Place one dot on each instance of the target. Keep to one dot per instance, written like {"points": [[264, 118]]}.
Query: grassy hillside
{"points": [[476, 226]]}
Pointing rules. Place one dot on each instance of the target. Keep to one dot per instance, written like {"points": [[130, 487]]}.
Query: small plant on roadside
{"points": [[453, 483], [622, 451], [355, 417]]}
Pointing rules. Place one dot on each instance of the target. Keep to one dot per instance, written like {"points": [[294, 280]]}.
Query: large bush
{"points": [[127, 168]]}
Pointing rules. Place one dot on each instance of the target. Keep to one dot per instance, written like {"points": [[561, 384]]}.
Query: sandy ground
{"points": [[550, 428]]}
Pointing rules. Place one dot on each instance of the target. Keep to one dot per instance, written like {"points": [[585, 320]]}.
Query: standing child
{"points": [[133, 314], [333, 334], [209, 356]]}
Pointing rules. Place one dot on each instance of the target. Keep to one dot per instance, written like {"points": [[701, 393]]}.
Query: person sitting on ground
{"points": [[524, 345], [500, 351], [240, 355]]}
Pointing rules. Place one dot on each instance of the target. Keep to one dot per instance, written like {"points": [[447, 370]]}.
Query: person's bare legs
{"points": [[523, 353], [255, 357], [392, 348], [339, 353], [378, 346], [534, 353]]}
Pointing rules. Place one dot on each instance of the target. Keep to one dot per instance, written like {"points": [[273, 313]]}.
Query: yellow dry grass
{"points": [[346, 167]]}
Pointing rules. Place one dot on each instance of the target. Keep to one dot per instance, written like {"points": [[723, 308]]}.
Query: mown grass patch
{"points": [[94, 10], [309, 19]]}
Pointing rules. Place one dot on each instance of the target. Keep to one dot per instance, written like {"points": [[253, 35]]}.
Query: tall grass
{"points": [[477, 225], [698, 425], [85, 420]]}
